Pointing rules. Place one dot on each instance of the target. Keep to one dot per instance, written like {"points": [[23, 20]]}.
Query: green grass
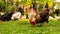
{"points": [[24, 27]]}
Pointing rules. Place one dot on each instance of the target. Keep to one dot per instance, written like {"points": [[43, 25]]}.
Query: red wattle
{"points": [[31, 21]]}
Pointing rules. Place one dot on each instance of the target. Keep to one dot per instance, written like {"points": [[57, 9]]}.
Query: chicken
{"points": [[57, 17], [41, 17], [51, 18], [7, 16], [16, 16]]}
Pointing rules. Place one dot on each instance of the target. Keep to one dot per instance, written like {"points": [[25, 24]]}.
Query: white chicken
{"points": [[16, 16], [51, 18]]}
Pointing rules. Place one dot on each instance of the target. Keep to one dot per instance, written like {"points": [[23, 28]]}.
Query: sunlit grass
{"points": [[24, 27]]}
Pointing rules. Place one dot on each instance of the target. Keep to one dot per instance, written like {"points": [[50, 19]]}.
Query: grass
{"points": [[24, 27]]}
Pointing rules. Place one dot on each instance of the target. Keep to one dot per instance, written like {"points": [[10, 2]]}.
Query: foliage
{"points": [[40, 7], [17, 3], [1, 5], [8, 6]]}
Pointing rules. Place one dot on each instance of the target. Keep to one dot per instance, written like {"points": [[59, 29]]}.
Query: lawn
{"points": [[24, 27]]}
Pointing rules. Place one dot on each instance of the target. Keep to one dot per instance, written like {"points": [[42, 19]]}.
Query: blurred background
{"points": [[26, 5]]}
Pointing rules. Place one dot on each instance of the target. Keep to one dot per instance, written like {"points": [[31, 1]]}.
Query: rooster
{"points": [[40, 17]]}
